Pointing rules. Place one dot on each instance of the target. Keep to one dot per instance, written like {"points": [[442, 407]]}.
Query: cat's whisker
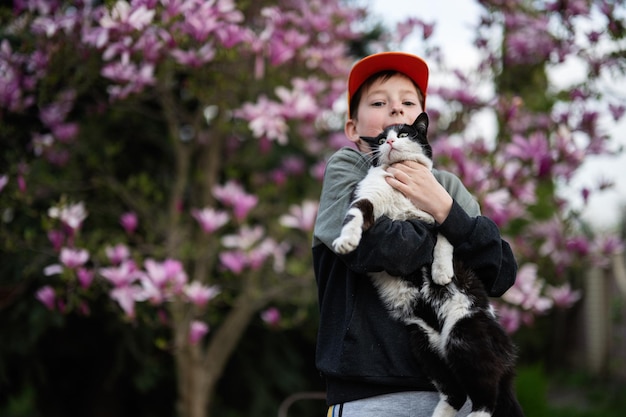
{"points": [[367, 160]]}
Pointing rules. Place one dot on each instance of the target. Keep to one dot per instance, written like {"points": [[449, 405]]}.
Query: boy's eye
{"points": [[378, 103], [409, 103]]}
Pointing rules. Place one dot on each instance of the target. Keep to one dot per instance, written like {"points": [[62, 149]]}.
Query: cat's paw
{"points": [[442, 272], [346, 243]]}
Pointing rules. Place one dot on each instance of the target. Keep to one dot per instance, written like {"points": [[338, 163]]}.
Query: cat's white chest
{"points": [[387, 200]]}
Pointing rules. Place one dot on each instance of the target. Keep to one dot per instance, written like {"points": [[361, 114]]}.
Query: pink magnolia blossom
{"points": [[234, 261], [167, 274], [317, 171], [228, 193], [162, 280], [271, 316], [117, 254], [200, 294], [553, 234], [4, 180], [301, 217], [54, 269], [604, 248], [579, 245], [132, 77], [252, 250], [129, 222], [526, 292], [195, 58], [85, 277], [528, 40], [210, 219], [256, 257], [56, 237], [609, 244], [293, 165], [197, 330], [534, 148], [265, 119], [123, 15], [65, 132], [500, 206], [126, 296], [74, 258], [56, 113], [245, 239], [283, 45], [232, 194], [47, 296], [298, 103], [563, 296], [243, 205], [510, 318], [121, 275], [279, 177], [71, 215]]}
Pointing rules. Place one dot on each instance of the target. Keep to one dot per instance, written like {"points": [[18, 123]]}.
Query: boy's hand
{"points": [[420, 186]]}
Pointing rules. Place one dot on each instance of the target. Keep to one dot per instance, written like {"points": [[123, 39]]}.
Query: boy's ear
{"points": [[350, 131]]}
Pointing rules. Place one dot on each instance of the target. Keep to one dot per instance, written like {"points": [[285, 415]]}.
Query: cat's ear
{"points": [[421, 123], [421, 119]]}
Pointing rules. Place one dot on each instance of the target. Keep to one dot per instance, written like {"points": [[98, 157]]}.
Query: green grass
{"points": [[569, 394]]}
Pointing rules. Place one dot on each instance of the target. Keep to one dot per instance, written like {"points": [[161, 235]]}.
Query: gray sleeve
{"points": [[344, 170], [458, 192]]}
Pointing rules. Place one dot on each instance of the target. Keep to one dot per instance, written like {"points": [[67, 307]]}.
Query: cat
{"points": [[454, 333]]}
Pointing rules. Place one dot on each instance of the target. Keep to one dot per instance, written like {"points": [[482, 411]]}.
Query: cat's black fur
{"points": [[455, 336]]}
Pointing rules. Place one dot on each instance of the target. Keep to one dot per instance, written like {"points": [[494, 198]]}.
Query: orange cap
{"points": [[410, 65]]}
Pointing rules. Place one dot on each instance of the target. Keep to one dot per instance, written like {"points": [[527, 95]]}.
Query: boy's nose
{"points": [[396, 109]]}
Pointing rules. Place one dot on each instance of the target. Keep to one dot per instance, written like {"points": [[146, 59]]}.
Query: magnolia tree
{"points": [[546, 128], [169, 151], [167, 154]]}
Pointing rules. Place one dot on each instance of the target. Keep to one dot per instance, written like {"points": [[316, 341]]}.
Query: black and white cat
{"points": [[455, 336]]}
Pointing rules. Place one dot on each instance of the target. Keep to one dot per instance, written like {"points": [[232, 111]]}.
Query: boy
{"points": [[362, 353]]}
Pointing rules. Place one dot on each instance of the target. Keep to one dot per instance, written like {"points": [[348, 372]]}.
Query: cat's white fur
{"points": [[388, 201]]}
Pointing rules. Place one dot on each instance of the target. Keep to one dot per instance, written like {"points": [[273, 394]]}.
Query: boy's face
{"points": [[384, 103]]}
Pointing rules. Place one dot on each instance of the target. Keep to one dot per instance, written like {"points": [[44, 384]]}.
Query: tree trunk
{"points": [[225, 340], [200, 369]]}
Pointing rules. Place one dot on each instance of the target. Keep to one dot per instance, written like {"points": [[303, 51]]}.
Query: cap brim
{"points": [[410, 65]]}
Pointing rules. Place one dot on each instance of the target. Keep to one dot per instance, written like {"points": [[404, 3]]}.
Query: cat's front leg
{"points": [[351, 232], [442, 268], [360, 216]]}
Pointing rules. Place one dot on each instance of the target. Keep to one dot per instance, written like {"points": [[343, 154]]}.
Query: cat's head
{"points": [[402, 142]]}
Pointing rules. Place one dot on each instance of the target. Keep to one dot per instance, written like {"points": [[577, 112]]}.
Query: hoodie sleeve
{"points": [[398, 247], [478, 244], [344, 170]]}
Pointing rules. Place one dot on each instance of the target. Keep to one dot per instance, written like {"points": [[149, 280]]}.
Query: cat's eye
{"points": [[403, 135], [381, 141]]}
